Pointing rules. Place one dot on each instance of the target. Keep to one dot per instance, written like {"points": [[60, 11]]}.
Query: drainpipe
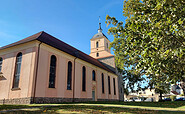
{"points": [[74, 81], [37, 64]]}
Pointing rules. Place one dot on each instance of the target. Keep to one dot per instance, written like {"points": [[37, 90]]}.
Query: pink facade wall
{"points": [[27, 70], [60, 89], [28, 74]]}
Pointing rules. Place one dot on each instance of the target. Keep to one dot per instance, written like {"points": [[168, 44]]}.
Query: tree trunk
{"points": [[183, 85], [160, 96]]}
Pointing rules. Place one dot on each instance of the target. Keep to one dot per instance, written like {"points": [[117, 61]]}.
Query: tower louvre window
{"points": [[97, 44], [17, 70], [97, 54], [52, 74]]}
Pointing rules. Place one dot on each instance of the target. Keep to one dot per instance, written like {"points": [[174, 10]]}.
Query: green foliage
{"points": [[173, 97], [152, 41]]}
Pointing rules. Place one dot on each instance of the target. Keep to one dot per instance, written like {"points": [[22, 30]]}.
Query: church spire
{"points": [[99, 30]]}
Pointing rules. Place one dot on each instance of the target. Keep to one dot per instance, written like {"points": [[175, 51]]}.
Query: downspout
{"points": [[36, 72], [74, 81]]}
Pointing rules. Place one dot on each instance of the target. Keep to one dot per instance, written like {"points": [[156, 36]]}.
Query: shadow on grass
{"points": [[167, 104], [88, 109]]}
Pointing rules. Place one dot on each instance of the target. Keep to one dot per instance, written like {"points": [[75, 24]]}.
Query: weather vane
{"points": [[99, 19]]}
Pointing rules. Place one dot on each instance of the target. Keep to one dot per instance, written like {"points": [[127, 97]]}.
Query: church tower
{"points": [[100, 51], [100, 45]]}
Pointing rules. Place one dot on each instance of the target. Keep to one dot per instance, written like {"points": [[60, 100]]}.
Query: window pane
{"points": [[83, 78], [103, 83], [52, 73], [69, 76], [114, 86], [109, 84], [93, 76], [17, 70], [1, 62]]}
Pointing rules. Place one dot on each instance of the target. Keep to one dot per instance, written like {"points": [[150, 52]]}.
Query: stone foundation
{"points": [[107, 100], [43, 100], [16, 101]]}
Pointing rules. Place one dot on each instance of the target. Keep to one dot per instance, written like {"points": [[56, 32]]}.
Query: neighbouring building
{"points": [[44, 69]]}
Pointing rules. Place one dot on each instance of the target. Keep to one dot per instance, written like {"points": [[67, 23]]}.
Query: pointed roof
{"points": [[99, 34], [56, 43]]}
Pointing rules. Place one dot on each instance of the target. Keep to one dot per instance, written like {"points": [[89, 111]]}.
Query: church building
{"points": [[44, 69]]}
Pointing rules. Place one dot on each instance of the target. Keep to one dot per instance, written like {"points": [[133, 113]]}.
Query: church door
{"points": [[93, 95]]}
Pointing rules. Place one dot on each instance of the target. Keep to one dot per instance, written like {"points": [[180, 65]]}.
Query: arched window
{"points": [[102, 83], [17, 71], [69, 75], [97, 54], [93, 75], [52, 73], [114, 84], [97, 44], [83, 78], [109, 84], [1, 62]]}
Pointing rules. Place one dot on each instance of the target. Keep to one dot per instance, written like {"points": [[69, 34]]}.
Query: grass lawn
{"points": [[100, 107], [167, 104]]}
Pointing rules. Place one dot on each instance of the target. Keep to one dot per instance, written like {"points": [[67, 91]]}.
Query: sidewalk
{"points": [[36, 107]]}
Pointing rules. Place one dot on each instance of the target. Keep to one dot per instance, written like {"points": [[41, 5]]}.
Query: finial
{"points": [[99, 30]]}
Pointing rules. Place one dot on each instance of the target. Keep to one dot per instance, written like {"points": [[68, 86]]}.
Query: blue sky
{"points": [[72, 21]]}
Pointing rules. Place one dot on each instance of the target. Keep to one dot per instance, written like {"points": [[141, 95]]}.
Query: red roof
{"points": [[56, 43]]}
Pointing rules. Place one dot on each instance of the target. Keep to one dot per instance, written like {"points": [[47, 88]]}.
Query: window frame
{"points": [[84, 78], [97, 44], [93, 75], [17, 71], [114, 84], [52, 71], [69, 75], [103, 84], [97, 54], [109, 86], [1, 64]]}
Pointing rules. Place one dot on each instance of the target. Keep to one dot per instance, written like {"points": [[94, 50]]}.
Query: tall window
{"points": [[97, 54], [83, 78], [102, 76], [17, 70], [114, 86], [93, 75], [1, 62], [69, 75], [109, 84], [52, 73], [107, 45], [97, 44]]}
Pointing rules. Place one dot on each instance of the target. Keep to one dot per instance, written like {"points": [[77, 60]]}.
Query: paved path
{"points": [[104, 105]]}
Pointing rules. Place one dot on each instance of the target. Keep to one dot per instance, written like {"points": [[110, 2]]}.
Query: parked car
{"points": [[167, 99], [180, 99]]}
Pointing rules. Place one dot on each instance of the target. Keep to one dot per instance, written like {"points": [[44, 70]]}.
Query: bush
{"points": [[173, 97]]}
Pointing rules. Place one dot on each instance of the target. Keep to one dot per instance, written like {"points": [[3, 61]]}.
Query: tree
{"points": [[152, 41]]}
